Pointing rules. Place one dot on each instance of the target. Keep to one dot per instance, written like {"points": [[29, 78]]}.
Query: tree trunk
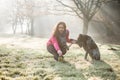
{"points": [[85, 25], [14, 28], [21, 24], [32, 27], [28, 28]]}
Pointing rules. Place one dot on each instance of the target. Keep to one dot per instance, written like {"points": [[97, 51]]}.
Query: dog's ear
{"points": [[81, 37], [77, 39]]}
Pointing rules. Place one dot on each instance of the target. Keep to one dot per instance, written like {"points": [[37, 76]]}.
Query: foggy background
{"points": [[46, 14]]}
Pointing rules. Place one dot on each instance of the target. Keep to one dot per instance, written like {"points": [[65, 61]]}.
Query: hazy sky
{"points": [[46, 22]]}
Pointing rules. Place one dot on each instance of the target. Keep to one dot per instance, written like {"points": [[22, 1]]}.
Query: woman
{"points": [[56, 45]]}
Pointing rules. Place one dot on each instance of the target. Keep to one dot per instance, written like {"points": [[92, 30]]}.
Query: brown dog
{"points": [[89, 46]]}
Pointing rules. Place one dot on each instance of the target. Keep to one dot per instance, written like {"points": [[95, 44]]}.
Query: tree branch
{"points": [[78, 14]]}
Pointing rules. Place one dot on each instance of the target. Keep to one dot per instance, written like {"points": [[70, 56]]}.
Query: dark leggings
{"points": [[52, 50]]}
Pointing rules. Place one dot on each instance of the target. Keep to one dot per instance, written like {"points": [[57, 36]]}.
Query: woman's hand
{"points": [[59, 52]]}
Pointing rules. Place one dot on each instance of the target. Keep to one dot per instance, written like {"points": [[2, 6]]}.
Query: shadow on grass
{"points": [[67, 71], [103, 70], [118, 53], [115, 49]]}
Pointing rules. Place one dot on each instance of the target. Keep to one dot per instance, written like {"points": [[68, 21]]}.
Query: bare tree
{"points": [[15, 17], [23, 14], [85, 9], [29, 7]]}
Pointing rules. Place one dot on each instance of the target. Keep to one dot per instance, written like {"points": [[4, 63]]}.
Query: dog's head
{"points": [[80, 40]]}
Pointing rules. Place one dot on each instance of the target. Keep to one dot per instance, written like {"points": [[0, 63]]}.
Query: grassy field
{"points": [[28, 59]]}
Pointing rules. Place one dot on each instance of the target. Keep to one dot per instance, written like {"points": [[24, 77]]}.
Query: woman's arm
{"points": [[56, 46], [55, 43]]}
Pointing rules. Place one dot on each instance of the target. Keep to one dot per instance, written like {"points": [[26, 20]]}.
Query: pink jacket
{"points": [[53, 41]]}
